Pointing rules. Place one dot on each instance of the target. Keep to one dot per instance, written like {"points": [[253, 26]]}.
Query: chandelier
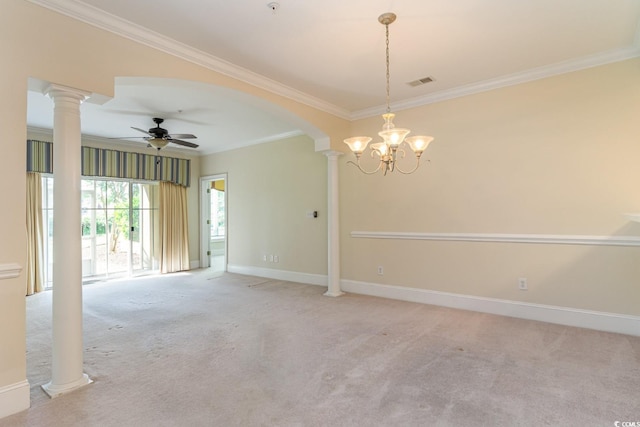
{"points": [[388, 151]]}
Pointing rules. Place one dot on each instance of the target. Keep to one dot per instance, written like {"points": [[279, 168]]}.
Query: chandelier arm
{"points": [[365, 171], [410, 171]]}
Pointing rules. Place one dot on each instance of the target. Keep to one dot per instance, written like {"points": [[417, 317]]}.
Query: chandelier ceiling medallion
{"points": [[389, 150]]}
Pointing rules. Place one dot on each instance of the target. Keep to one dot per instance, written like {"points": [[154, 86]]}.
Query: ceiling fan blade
{"points": [[183, 143], [183, 135], [128, 137], [141, 130]]}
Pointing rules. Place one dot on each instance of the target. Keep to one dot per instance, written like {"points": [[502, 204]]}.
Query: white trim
{"points": [[270, 138], [505, 81], [194, 264], [57, 390], [322, 144], [633, 217], [609, 322], [550, 239], [14, 398], [205, 208], [289, 276], [10, 271], [203, 226]]}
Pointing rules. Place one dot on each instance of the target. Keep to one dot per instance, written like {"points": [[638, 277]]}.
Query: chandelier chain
{"points": [[388, 74]]}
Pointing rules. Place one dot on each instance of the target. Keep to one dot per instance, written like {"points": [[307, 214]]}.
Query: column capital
{"points": [[332, 153], [54, 90]]}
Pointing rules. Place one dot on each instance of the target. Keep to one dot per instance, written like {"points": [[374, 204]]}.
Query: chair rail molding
{"points": [[549, 239], [10, 271]]}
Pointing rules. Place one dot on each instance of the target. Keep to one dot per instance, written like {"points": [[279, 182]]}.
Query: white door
{"points": [[213, 230]]}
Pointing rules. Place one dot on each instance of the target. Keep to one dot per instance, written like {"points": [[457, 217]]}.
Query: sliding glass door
{"points": [[118, 220], [119, 228]]}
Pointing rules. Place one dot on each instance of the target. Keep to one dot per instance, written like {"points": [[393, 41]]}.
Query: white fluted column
{"points": [[333, 282], [67, 357]]}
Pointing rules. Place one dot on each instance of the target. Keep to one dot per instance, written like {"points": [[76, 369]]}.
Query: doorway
{"points": [[213, 230]]}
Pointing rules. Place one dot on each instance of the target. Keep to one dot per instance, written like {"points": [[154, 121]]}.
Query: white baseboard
{"points": [[194, 265], [14, 398], [609, 322], [290, 276], [601, 321]]}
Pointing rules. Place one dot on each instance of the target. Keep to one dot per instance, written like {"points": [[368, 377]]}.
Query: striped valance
{"points": [[39, 156], [114, 164]]}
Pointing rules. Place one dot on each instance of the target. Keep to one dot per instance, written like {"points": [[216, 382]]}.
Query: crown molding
{"points": [[508, 80], [270, 138], [106, 21]]}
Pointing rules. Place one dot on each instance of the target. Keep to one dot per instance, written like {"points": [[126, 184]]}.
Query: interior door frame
{"points": [[205, 214]]}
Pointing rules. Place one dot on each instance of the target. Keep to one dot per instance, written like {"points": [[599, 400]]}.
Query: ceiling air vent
{"points": [[421, 81]]}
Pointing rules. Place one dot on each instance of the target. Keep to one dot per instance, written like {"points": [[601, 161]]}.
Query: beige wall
{"points": [[35, 42], [556, 156], [270, 188], [12, 226]]}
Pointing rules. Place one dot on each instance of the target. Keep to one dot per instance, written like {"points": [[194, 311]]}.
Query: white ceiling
{"points": [[330, 55]]}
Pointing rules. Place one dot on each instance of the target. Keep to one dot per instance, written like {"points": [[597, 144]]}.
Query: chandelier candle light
{"points": [[388, 151]]}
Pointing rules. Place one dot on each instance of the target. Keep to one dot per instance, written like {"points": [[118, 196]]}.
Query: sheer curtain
{"points": [[174, 234], [35, 263]]}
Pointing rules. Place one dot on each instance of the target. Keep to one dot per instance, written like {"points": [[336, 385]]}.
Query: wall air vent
{"points": [[421, 81]]}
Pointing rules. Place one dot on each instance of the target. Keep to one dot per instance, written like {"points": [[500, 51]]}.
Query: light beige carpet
{"points": [[199, 349]]}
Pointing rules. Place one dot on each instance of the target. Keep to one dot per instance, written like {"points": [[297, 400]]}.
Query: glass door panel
{"points": [[136, 250], [47, 228], [217, 229], [100, 260], [143, 223], [118, 247]]}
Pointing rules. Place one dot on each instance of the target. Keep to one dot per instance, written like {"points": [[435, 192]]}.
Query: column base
{"points": [[333, 294], [54, 390]]}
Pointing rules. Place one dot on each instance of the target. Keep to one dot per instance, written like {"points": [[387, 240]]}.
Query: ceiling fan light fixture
{"points": [[157, 143], [158, 137]]}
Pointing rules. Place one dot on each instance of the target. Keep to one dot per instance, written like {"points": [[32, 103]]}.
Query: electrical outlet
{"points": [[380, 270], [276, 258], [264, 257], [270, 258], [522, 284]]}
